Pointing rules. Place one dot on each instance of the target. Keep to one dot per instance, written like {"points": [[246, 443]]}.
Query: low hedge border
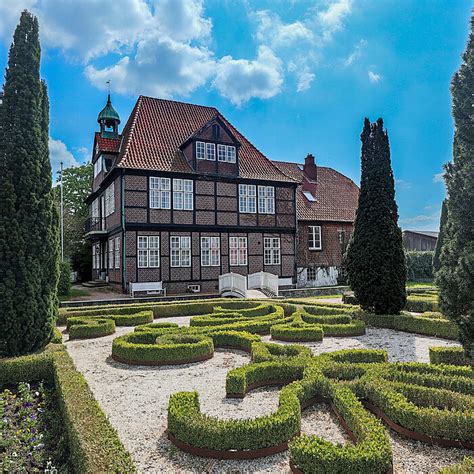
{"points": [[93, 443], [134, 319], [297, 332], [85, 328], [466, 466], [236, 438], [57, 337], [148, 348], [448, 355], [267, 351], [420, 303], [414, 324]]}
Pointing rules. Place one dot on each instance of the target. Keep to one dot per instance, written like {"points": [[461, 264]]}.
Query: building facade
{"points": [[181, 197], [326, 207], [419, 240]]}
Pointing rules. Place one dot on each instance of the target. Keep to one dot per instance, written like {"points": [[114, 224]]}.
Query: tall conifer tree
{"points": [[375, 257], [456, 275], [28, 219]]}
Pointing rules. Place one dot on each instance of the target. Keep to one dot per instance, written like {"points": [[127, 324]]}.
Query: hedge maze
{"points": [[432, 403]]}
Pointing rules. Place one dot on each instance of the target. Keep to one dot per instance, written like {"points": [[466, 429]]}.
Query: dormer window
{"points": [[226, 153], [205, 151]]}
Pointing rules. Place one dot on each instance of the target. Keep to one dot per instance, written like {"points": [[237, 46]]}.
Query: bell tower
{"points": [[108, 120]]}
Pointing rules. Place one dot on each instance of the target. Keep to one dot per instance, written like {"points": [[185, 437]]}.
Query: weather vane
{"points": [[108, 84]]}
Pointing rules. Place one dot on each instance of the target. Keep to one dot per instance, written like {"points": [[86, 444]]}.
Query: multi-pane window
{"points": [[98, 166], [238, 250], [314, 237], [226, 153], [160, 193], [311, 273], [110, 200], [266, 200], [200, 150], [95, 209], [117, 252], [183, 194], [210, 252], [94, 263], [247, 198], [210, 151], [180, 251], [342, 236], [221, 152], [111, 254], [148, 251], [271, 250]]}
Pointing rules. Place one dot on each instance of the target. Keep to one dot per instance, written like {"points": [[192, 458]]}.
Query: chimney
{"points": [[310, 169]]}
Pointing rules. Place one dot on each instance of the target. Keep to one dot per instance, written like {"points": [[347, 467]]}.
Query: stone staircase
{"points": [[95, 284]]}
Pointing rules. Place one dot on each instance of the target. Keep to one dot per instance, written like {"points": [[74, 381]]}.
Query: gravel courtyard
{"points": [[135, 399]]}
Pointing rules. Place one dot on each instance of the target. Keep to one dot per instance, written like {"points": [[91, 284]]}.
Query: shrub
{"points": [[188, 424], [133, 319], [422, 303], [234, 339], [297, 332], [84, 328], [466, 466], [146, 348], [419, 265], [410, 323], [448, 355], [265, 351], [64, 282], [93, 442], [372, 453], [57, 337]]}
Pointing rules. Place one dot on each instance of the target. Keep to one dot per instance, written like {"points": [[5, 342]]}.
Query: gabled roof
{"points": [[336, 195], [157, 128], [427, 233]]}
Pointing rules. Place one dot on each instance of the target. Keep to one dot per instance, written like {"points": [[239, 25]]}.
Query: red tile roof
{"points": [[336, 195], [157, 128], [108, 145]]}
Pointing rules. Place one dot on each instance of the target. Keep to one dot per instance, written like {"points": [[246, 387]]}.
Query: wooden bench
{"points": [[150, 287]]}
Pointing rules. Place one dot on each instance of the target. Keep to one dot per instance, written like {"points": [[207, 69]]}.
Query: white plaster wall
{"points": [[324, 277]]}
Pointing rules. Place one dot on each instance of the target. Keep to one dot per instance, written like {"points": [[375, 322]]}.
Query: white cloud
{"points": [[402, 184], [356, 53], [10, 11], [332, 19], [239, 80], [303, 74], [58, 153], [161, 67], [438, 177], [272, 31], [374, 77], [422, 221]]}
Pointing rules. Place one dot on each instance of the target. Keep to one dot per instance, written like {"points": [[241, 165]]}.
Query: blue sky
{"points": [[295, 77]]}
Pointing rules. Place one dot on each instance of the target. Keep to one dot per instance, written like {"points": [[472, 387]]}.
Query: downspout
{"points": [[295, 272], [122, 215]]}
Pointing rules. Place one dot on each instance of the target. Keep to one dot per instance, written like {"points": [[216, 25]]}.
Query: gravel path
{"points": [[135, 399]]}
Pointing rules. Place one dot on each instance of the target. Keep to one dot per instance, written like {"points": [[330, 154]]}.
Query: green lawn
{"points": [[74, 292], [420, 284]]}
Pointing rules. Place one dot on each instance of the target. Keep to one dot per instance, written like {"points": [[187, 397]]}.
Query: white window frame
{"points": [[117, 252], [98, 165], [160, 192], [183, 194], [201, 150], [110, 199], [221, 152], [95, 213], [266, 200], [148, 249], [313, 232], [231, 154], [111, 253], [180, 254], [94, 264], [210, 251], [247, 198], [210, 151], [271, 251], [238, 251]]}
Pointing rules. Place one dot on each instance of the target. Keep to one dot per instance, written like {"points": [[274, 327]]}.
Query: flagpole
{"points": [[62, 215]]}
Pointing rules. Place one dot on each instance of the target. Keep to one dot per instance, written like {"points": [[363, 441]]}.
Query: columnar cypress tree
{"points": [[441, 236], [375, 257], [456, 275], [28, 218]]}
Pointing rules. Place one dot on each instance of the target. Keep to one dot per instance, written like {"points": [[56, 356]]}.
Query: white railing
{"points": [[233, 284], [263, 281]]}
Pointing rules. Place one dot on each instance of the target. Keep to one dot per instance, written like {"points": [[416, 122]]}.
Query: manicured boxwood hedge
{"points": [[466, 466], [148, 348], [57, 337], [93, 443], [422, 302], [415, 324], [448, 355], [188, 424], [265, 351], [297, 331], [84, 328]]}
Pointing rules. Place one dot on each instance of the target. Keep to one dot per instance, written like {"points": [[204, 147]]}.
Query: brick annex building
{"points": [[182, 197]]}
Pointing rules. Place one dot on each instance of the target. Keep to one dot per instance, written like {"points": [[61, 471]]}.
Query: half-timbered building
{"points": [[181, 197]]}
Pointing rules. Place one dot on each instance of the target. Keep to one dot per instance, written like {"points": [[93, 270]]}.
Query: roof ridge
{"points": [[177, 102]]}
